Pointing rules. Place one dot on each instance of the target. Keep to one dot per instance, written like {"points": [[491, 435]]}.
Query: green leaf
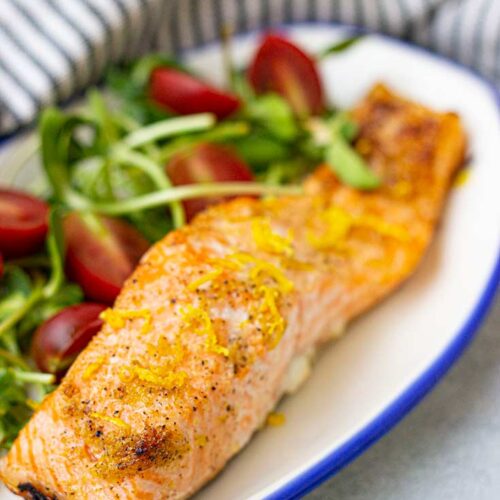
{"points": [[56, 133], [349, 165], [103, 117], [346, 127], [56, 251], [260, 149], [274, 114], [338, 47], [15, 280], [153, 224], [15, 384]]}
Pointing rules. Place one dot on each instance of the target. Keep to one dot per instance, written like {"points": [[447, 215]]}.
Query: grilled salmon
{"points": [[200, 344]]}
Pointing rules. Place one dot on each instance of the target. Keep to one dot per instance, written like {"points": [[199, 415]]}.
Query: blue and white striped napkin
{"points": [[51, 49]]}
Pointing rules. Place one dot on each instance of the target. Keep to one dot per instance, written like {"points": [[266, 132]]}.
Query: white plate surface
{"points": [[364, 383]]}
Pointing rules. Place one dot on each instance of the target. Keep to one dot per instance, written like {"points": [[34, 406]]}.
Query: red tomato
{"points": [[280, 66], [185, 95], [206, 163], [62, 337], [101, 258], [23, 223]]}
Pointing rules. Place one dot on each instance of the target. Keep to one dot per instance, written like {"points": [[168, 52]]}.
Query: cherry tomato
{"points": [[23, 223], [206, 163], [280, 66], [62, 337], [185, 95], [100, 257]]}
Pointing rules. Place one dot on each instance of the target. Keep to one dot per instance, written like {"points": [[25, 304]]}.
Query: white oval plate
{"points": [[391, 357]]}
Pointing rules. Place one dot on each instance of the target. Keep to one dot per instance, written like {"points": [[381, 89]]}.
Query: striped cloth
{"points": [[52, 49]]}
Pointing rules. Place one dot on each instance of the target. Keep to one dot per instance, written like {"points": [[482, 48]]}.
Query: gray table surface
{"points": [[448, 447]]}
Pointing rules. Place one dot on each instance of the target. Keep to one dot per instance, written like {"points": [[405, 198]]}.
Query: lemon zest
{"points": [[112, 420], [116, 318], [296, 265], [382, 227], [267, 240], [401, 189], [167, 380], [226, 263], [338, 223], [167, 348], [275, 419], [212, 275], [92, 368], [201, 440], [34, 405], [201, 324], [125, 374], [462, 177], [262, 268], [272, 322]]}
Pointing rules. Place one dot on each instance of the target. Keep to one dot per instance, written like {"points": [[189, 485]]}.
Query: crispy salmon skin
{"points": [[199, 346]]}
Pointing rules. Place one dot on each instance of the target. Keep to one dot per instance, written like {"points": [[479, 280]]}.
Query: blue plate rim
{"points": [[407, 400]]}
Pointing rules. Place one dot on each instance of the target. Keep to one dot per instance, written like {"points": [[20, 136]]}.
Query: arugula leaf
{"points": [[343, 159], [349, 165], [261, 149], [103, 118], [153, 224], [56, 251], [338, 47], [15, 408], [56, 131], [14, 411], [274, 114]]}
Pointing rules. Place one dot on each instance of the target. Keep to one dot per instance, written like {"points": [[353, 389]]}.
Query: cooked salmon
{"points": [[201, 343]]}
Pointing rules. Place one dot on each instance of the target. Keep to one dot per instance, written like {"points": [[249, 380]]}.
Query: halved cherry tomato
{"points": [[62, 337], [23, 223], [185, 95], [280, 66], [206, 163], [100, 257]]}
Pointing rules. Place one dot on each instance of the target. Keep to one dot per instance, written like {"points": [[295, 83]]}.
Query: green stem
{"points": [[191, 191], [34, 377], [157, 174], [168, 128], [16, 316]]}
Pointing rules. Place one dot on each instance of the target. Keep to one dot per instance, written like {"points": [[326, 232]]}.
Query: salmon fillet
{"points": [[200, 343]]}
